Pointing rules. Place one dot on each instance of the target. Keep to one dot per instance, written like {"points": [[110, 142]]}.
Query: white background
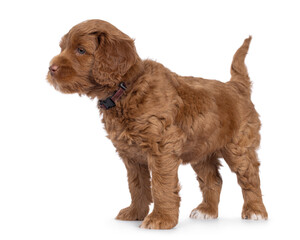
{"points": [[60, 177]]}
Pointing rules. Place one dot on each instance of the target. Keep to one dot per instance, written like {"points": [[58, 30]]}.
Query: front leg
{"points": [[165, 190], [139, 186], [163, 143]]}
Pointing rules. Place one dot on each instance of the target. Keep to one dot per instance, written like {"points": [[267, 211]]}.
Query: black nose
{"points": [[53, 68]]}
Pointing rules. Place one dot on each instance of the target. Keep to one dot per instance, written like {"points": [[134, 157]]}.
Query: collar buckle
{"points": [[110, 101], [107, 103]]}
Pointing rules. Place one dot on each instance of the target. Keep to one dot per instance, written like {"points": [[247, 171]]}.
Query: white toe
{"points": [[256, 217], [196, 214]]}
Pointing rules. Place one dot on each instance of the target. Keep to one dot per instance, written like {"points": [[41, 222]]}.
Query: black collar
{"points": [[110, 101]]}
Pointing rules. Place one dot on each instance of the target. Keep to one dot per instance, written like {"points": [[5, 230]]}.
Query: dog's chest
{"points": [[124, 140]]}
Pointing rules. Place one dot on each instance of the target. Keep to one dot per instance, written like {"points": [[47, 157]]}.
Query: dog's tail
{"points": [[239, 72]]}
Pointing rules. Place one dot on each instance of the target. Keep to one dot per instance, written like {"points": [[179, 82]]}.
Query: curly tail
{"points": [[239, 72]]}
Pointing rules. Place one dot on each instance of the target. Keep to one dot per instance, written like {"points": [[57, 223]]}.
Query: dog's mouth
{"points": [[60, 76], [67, 82], [51, 79]]}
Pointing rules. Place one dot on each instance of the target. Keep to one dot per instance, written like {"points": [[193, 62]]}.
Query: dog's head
{"points": [[94, 55]]}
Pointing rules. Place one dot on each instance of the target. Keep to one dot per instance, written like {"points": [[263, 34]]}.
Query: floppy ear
{"points": [[113, 58], [63, 41]]}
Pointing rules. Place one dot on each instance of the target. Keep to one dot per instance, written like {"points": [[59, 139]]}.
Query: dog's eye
{"points": [[81, 51]]}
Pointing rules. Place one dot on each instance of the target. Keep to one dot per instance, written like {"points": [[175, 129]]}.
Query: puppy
{"points": [[158, 120]]}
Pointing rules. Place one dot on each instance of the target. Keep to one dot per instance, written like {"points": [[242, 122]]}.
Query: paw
{"points": [[203, 211], [159, 221], [254, 212], [132, 214]]}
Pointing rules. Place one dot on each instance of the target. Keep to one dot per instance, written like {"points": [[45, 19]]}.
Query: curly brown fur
{"points": [[163, 120]]}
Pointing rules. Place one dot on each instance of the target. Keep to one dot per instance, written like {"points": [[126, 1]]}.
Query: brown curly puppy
{"points": [[158, 120]]}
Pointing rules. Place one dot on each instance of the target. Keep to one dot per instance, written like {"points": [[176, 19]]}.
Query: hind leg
{"points": [[243, 161], [210, 183]]}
